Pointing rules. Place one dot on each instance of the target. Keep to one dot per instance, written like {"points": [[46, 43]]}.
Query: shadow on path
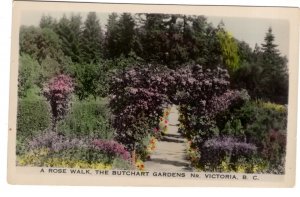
{"points": [[166, 139], [170, 153]]}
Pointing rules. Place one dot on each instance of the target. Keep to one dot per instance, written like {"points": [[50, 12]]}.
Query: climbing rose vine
{"points": [[58, 91], [139, 94]]}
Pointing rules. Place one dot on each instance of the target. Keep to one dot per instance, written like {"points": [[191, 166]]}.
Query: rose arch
{"points": [[140, 94]]}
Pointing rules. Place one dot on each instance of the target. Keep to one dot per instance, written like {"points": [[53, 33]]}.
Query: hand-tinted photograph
{"points": [[151, 92]]}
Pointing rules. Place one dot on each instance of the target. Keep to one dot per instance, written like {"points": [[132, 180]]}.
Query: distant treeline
{"points": [[85, 51]]}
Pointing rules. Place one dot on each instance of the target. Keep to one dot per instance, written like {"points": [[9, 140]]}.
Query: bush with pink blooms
{"points": [[58, 93]]}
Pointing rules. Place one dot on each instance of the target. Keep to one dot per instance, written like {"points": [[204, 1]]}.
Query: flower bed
{"points": [[53, 150]]}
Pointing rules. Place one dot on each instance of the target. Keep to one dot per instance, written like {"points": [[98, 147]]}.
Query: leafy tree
{"points": [[29, 73], [91, 42], [40, 43], [245, 52], [205, 45], [246, 75], [90, 79], [50, 68], [229, 50]]}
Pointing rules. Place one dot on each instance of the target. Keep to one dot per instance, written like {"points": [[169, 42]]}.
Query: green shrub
{"points": [[33, 117], [259, 118], [29, 73], [83, 154], [141, 148], [121, 164], [88, 118], [263, 124]]}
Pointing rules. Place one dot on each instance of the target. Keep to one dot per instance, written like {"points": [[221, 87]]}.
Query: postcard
{"points": [[153, 95]]}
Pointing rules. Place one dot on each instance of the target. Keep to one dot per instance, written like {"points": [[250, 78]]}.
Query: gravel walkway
{"points": [[170, 151]]}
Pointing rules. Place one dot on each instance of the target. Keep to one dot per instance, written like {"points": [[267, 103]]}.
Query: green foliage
{"points": [[274, 78], [48, 22], [204, 45], [87, 118], [245, 52], [141, 148], [234, 127], [50, 68], [177, 39], [259, 118], [40, 43], [263, 124], [263, 72], [29, 73], [91, 41], [161, 40], [83, 154], [111, 36], [153, 38], [123, 62], [120, 35], [242, 165], [121, 164], [269, 47], [33, 117], [229, 50], [69, 31], [90, 79]]}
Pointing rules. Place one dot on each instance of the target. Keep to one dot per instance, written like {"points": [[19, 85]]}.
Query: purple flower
{"points": [[55, 142], [111, 147], [229, 144]]}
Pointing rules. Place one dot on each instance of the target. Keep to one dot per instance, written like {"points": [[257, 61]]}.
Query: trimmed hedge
{"points": [[32, 118]]}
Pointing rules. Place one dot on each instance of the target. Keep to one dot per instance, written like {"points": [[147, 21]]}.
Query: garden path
{"points": [[170, 152]]}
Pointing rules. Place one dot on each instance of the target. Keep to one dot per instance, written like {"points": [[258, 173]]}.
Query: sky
{"points": [[249, 30]]}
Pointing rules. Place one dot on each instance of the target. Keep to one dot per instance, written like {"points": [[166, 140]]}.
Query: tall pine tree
{"points": [[69, 31], [120, 35], [112, 36], [48, 22], [91, 42], [274, 78]]}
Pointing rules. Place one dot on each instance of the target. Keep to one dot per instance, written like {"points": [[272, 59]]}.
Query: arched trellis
{"points": [[139, 95]]}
